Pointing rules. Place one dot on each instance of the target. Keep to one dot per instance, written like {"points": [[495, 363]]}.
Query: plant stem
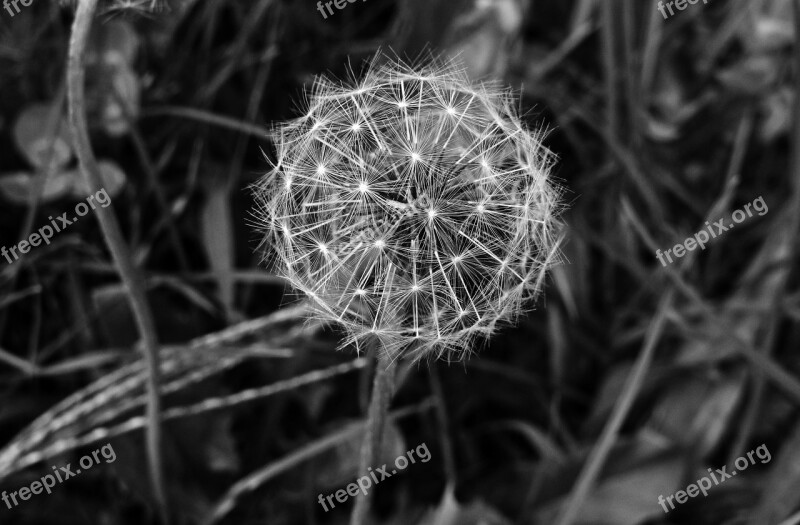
{"points": [[444, 424], [128, 272], [382, 390]]}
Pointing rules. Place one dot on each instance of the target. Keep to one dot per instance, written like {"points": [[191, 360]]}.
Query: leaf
{"points": [[116, 322], [217, 229], [17, 187], [481, 36], [772, 34], [770, 30], [779, 494], [696, 411], [479, 32], [118, 42], [125, 98], [777, 111], [450, 512], [113, 94], [628, 495], [752, 75], [220, 449], [30, 137], [112, 176]]}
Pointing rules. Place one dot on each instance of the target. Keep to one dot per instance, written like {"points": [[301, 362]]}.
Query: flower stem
{"points": [[382, 391]]}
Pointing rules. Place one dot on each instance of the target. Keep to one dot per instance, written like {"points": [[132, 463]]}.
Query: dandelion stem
{"points": [[382, 391]]}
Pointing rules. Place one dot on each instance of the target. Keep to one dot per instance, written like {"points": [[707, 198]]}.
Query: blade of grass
{"points": [[116, 243], [632, 73], [207, 117], [597, 458], [650, 53], [20, 364], [610, 67], [15, 460], [783, 379], [794, 519]]}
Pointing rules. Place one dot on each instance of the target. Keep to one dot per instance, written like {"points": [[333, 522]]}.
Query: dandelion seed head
{"points": [[441, 277]]}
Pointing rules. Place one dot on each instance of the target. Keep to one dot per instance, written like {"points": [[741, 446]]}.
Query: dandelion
{"points": [[414, 210]]}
